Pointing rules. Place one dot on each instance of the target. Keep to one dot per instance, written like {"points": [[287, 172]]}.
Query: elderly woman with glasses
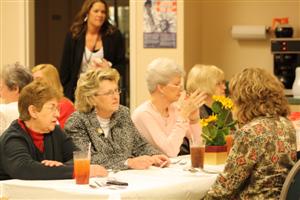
{"points": [[107, 125], [49, 74], [164, 120], [34, 147]]}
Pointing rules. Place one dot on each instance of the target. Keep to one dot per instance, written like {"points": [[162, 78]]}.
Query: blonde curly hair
{"points": [[255, 92], [88, 85]]}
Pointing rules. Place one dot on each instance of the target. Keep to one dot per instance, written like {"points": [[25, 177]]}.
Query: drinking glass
{"points": [[81, 166], [197, 149]]}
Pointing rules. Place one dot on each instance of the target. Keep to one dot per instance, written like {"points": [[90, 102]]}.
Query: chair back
{"points": [[291, 187]]}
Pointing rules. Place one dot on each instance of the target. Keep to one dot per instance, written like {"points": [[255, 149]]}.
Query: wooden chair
{"points": [[291, 187]]}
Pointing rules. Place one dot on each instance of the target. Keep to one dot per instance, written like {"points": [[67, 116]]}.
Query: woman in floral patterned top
{"points": [[264, 149]]}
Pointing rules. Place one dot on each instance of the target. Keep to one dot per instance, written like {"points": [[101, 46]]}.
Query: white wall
{"points": [[141, 57], [16, 32]]}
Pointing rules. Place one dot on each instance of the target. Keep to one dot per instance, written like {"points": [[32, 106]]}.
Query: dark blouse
{"points": [[114, 51], [21, 159]]}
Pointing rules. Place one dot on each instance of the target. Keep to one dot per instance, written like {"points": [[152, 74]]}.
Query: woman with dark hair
{"points": [[91, 42]]}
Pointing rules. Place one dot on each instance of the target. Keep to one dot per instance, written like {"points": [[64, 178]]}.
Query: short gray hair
{"points": [[160, 71], [15, 75]]}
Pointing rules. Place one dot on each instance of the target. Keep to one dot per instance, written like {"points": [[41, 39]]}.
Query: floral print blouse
{"points": [[263, 153]]}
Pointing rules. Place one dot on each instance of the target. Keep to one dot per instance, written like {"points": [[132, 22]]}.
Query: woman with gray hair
{"points": [[162, 122], [13, 78], [103, 122]]}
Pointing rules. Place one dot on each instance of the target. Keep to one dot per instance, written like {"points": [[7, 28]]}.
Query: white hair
{"points": [[160, 71]]}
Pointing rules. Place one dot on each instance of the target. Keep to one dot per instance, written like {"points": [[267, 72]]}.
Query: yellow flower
{"points": [[219, 124], [226, 102], [211, 118]]}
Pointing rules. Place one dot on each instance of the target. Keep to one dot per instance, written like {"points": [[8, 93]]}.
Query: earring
{"points": [[85, 19]]}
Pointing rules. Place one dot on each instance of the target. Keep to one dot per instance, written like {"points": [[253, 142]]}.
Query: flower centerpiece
{"points": [[217, 126]]}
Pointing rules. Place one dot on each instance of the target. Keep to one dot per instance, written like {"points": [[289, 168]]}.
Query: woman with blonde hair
{"points": [[264, 148], [207, 78], [49, 74], [103, 122]]}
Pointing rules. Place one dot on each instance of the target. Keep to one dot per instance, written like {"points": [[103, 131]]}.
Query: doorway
{"points": [[52, 21]]}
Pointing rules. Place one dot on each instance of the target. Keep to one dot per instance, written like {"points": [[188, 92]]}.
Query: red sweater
{"points": [[66, 109]]}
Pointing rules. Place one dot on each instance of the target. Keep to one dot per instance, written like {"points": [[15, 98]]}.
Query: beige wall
{"points": [[16, 32], [204, 36], [208, 39], [140, 57]]}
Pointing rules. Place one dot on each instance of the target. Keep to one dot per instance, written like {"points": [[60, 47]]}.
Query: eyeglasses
{"points": [[180, 86], [53, 108], [110, 93]]}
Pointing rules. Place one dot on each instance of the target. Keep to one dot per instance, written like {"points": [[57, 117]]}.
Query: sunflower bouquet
{"points": [[219, 124]]}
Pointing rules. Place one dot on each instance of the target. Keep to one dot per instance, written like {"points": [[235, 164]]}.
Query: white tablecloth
{"points": [[173, 182]]}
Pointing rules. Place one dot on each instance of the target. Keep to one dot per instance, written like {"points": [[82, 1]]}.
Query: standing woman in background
{"points": [[50, 75], [92, 42]]}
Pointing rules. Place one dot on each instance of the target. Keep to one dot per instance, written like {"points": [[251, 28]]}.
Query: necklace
{"points": [[104, 126], [163, 117], [88, 60]]}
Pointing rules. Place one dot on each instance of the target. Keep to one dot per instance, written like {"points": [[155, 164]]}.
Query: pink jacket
{"points": [[166, 134]]}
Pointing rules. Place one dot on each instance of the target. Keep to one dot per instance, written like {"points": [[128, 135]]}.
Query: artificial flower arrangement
{"points": [[219, 124]]}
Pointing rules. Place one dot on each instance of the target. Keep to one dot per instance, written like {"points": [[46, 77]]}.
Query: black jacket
{"points": [[114, 51], [20, 159]]}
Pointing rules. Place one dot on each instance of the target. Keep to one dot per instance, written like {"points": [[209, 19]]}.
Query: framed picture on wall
{"points": [[160, 23]]}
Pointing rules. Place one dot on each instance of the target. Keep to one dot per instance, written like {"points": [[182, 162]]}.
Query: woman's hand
{"points": [[97, 170], [161, 160], [101, 63], [194, 116], [191, 104], [51, 163], [141, 162]]}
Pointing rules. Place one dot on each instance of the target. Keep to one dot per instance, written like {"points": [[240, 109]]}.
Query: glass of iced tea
{"points": [[197, 149], [81, 166]]}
